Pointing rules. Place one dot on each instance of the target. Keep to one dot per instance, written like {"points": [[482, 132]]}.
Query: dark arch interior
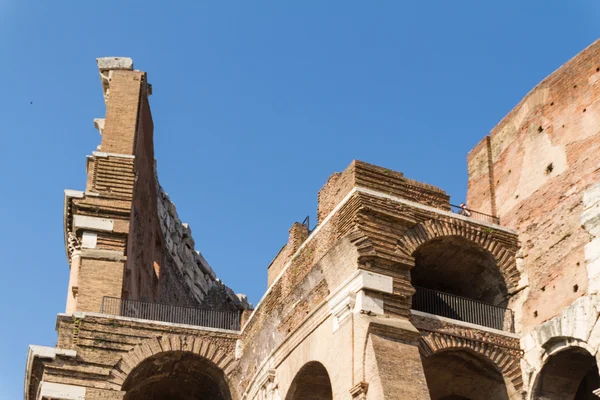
{"points": [[311, 383], [176, 375], [571, 374], [462, 375], [455, 265]]}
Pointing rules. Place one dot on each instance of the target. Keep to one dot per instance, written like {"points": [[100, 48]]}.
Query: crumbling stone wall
{"points": [[186, 277], [124, 238]]}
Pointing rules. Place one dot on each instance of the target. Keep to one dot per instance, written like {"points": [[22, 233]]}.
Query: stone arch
{"points": [[203, 347], [568, 366], [559, 343], [505, 359], [312, 382], [435, 228]]}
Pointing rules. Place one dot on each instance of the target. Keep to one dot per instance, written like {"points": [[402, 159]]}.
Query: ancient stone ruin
{"points": [[395, 294]]}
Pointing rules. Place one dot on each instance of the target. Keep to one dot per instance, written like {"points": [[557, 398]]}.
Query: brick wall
{"points": [[122, 107], [534, 168], [146, 253], [360, 173]]}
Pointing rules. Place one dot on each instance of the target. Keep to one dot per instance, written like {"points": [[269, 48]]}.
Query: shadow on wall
{"points": [[311, 383], [463, 375]]}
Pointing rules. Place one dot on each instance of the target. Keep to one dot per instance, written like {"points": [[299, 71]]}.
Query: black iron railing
{"points": [[476, 215], [462, 309], [169, 313]]}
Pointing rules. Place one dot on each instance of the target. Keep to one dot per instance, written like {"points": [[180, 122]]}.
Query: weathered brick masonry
{"points": [[393, 295], [539, 168]]}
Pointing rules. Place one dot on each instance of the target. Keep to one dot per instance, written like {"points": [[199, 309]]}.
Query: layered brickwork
{"points": [[123, 105], [369, 230], [369, 176], [535, 166], [339, 295], [502, 245], [297, 235], [124, 237], [107, 349], [502, 349]]}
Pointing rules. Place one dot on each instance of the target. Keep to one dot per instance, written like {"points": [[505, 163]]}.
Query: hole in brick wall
{"points": [[540, 129], [549, 168], [578, 263], [563, 126], [574, 86], [517, 196], [585, 109], [497, 182], [598, 69], [552, 103], [543, 288], [509, 171], [535, 314], [575, 288]]}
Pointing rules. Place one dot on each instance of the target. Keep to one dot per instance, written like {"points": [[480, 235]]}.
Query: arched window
{"points": [[176, 375], [311, 383]]}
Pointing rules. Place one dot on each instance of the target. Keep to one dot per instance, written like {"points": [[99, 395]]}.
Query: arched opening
{"points": [[311, 383], [455, 265], [571, 374], [463, 375], [457, 278], [176, 375]]}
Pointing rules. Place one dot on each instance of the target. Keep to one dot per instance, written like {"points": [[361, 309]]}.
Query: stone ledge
{"points": [[42, 352], [97, 254], [114, 63], [465, 324], [59, 391], [434, 210], [106, 155]]}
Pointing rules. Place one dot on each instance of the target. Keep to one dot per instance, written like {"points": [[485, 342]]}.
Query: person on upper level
{"points": [[464, 210]]}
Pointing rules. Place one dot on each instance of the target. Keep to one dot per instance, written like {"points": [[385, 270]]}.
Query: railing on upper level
{"points": [[476, 215], [463, 309], [169, 313]]}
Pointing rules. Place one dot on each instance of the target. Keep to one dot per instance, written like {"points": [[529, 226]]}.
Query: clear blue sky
{"points": [[255, 103]]}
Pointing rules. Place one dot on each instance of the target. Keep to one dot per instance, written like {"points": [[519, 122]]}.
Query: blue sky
{"points": [[255, 103]]}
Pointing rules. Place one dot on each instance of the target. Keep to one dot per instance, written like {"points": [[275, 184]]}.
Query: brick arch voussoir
{"points": [[433, 228], [201, 346], [504, 362]]}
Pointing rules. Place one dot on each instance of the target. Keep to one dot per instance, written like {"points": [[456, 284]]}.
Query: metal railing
{"points": [[463, 309], [170, 313], [476, 215]]}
